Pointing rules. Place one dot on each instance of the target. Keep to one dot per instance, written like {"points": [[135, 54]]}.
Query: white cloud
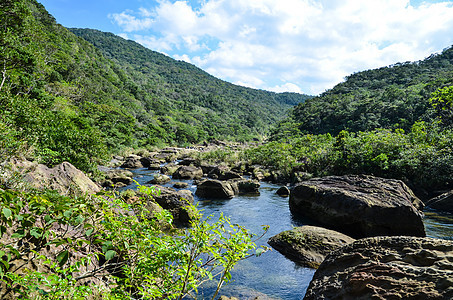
{"points": [[303, 45], [287, 87]]}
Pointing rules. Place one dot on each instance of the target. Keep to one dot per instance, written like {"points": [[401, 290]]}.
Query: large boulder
{"points": [[443, 202], [169, 169], [132, 162], [223, 173], [176, 203], [386, 268], [226, 189], [216, 189], [64, 178], [359, 205], [188, 172], [160, 179], [245, 186], [115, 176], [308, 245]]}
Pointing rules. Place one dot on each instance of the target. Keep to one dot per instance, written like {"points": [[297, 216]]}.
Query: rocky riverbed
{"points": [[283, 276]]}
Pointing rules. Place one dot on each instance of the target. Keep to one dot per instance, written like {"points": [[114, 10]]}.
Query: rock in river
{"points": [[188, 172], [176, 203], [386, 268], [226, 189], [359, 205], [216, 189], [443, 202], [308, 245]]}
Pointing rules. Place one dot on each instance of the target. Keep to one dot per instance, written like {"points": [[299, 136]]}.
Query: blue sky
{"points": [[304, 46]]}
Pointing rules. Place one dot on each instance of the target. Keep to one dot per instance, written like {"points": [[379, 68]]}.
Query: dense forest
{"points": [[65, 99], [390, 97]]}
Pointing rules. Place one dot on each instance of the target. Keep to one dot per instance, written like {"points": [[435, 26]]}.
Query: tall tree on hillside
{"points": [[442, 101]]}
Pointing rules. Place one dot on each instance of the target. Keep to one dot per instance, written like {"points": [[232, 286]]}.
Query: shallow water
{"points": [[272, 274]]}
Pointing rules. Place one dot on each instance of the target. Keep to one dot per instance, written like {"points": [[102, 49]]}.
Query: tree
{"points": [[442, 102]]}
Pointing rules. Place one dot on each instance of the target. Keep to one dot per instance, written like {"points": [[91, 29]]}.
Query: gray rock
{"points": [[247, 186], [216, 189], [223, 173], [169, 169], [360, 206], [160, 179], [308, 245], [386, 268], [443, 202], [188, 172], [187, 161], [64, 178], [176, 203], [115, 176], [180, 185], [132, 162]]}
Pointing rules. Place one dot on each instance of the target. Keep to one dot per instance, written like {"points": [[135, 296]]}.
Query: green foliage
{"points": [[51, 245], [189, 103], [442, 102], [422, 157]]}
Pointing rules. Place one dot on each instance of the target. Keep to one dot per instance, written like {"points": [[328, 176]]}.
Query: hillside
{"points": [[390, 97], [180, 92], [64, 99]]}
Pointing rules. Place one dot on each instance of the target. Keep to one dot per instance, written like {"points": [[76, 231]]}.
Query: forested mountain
{"points": [[66, 99], [390, 97]]}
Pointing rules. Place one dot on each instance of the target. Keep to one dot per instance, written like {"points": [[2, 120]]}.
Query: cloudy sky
{"points": [[304, 46]]}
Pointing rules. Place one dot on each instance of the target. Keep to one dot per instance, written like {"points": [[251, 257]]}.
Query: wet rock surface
{"points": [[386, 268], [359, 205]]}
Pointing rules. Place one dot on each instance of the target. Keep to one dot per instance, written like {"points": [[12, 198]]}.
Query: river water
{"points": [[272, 274]]}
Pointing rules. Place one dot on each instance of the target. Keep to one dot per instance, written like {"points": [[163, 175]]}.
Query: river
{"points": [[272, 274]]}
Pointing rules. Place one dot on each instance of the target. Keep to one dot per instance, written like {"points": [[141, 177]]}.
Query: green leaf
{"points": [[89, 232], [63, 257], [18, 234], [7, 212], [36, 232], [110, 254], [67, 213]]}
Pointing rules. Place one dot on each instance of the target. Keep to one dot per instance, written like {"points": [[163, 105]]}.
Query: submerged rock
{"points": [[308, 245], [386, 268], [360, 206]]}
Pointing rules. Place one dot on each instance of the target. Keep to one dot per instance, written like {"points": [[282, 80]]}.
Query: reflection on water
{"points": [[438, 224], [272, 274]]}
